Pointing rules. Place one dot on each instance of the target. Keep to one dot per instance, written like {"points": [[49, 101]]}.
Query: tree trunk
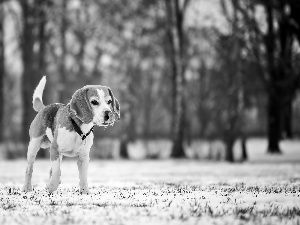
{"points": [[147, 110], [286, 40], [123, 147], [33, 47], [129, 130], [274, 120], [175, 31], [29, 77], [295, 16], [62, 66], [42, 39], [177, 148], [2, 71], [273, 100], [202, 113], [244, 149], [229, 142], [129, 135], [288, 117]]}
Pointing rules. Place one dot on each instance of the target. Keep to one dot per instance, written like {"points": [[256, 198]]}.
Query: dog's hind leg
{"points": [[50, 172], [55, 172], [33, 148]]}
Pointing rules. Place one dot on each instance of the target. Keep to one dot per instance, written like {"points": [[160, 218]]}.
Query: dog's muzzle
{"points": [[106, 116], [108, 119]]}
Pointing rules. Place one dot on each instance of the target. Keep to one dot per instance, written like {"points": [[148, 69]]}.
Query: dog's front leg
{"points": [[82, 163], [54, 180]]}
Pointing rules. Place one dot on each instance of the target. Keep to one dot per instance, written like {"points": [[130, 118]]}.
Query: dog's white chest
{"points": [[70, 143]]}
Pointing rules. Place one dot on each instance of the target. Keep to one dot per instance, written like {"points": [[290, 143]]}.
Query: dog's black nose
{"points": [[106, 115]]}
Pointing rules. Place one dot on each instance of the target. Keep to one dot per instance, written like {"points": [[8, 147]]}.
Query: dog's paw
{"points": [[27, 188], [52, 185], [84, 191], [51, 188]]}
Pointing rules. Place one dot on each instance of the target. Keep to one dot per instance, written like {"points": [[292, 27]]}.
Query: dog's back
{"points": [[45, 119]]}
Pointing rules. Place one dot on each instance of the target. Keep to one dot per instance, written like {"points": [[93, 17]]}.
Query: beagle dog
{"points": [[67, 130]]}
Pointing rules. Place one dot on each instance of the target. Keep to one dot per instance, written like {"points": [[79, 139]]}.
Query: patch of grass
{"points": [[160, 193]]}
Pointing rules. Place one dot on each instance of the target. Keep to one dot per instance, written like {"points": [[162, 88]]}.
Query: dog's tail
{"points": [[37, 100]]}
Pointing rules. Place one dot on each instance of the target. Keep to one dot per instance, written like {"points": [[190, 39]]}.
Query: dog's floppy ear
{"points": [[80, 106], [115, 105], [117, 109]]}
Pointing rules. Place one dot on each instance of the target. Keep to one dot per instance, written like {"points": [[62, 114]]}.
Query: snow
{"points": [[154, 192]]}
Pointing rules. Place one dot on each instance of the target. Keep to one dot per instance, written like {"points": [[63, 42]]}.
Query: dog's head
{"points": [[97, 104]]}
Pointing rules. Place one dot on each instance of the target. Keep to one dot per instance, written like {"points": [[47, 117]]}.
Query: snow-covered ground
{"points": [[154, 192]]}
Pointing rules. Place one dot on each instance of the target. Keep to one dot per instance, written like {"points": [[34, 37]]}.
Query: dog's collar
{"points": [[78, 130]]}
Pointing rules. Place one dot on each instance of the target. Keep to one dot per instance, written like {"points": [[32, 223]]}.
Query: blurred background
{"points": [[202, 79]]}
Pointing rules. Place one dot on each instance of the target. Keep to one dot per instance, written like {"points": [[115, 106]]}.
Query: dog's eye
{"points": [[109, 102], [94, 102]]}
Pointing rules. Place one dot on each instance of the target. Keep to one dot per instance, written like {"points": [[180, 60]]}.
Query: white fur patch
{"points": [[49, 134], [70, 143], [103, 104], [86, 127], [101, 96], [66, 139]]}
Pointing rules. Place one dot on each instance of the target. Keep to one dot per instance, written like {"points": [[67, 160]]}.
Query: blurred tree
{"points": [[134, 42], [244, 148], [282, 82], [63, 46], [124, 147], [228, 94], [33, 43], [175, 18], [278, 70], [276, 83], [295, 18], [227, 86], [201, 48], [203, 96], [71, 31], [145, 51], [29, 78], [2, 69]]}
